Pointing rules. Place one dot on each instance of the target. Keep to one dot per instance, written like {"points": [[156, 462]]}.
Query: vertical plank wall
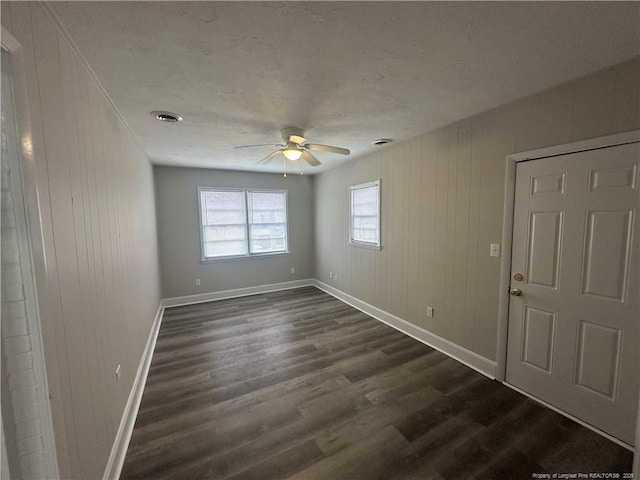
{"points": [[442, 205], [98, 277]]}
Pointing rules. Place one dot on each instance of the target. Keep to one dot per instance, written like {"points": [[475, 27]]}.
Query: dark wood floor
{"points": [[298, 384]]}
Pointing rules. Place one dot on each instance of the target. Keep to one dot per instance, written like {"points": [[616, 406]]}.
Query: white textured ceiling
{"points": [[347, 72]]}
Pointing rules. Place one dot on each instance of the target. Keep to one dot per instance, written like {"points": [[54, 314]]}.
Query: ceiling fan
{"points": [[295, 146]]}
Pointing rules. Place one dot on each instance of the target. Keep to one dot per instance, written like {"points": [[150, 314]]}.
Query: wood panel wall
{"points": [[97, 271], [442, 205]]}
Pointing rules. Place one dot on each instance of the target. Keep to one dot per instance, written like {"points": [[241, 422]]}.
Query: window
{"points": [[242, 223], [365, 215]]}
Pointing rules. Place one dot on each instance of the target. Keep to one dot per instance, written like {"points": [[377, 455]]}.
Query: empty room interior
{"points": [[320, 240]]}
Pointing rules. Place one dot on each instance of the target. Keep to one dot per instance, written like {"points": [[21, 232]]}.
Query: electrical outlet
{"points": [[197, 281], [331, 275], [430, 312], [118, 372], [494, 250], [335, 277], [293, 270]]}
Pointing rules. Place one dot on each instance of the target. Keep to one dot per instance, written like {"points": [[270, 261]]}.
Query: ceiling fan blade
{"points": [[261, 145], [327, 148], [297, 139], [268, 157], [311, 160]]}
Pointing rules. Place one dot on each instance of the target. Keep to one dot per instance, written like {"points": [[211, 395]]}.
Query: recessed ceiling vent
{"points": [[168, 117], [382, 141]]}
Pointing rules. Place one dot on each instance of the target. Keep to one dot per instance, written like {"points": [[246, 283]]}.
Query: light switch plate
{"points": [[494, 250]]}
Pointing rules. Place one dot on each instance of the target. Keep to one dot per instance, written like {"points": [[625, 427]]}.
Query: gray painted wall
{"points": [[179, 232], [96, 266], [442, 205]]}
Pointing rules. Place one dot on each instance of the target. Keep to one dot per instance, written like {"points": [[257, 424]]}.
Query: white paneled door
{"points": [[573, 317]]}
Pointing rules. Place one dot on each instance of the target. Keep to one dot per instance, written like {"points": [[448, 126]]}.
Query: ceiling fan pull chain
{"points": [[284, 166], [301, 172]]}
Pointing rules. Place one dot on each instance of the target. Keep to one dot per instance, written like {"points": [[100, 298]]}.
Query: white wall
{"points": [[97, 270], [179, 232], [442, 205]]}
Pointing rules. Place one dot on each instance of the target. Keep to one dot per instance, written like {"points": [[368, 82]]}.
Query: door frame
{"points": [[623, 138], [35, 248]]}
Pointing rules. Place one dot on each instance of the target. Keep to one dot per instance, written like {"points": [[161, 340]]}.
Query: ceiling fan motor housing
{"points": [[288, 131]]}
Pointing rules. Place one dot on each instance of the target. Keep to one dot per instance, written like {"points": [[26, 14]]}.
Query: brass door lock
{"points": [[518, 277]]}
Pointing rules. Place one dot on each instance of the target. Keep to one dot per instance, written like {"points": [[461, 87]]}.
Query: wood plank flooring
{"points": [[296, 384]]}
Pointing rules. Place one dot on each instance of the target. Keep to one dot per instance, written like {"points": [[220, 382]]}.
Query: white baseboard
{"points": [[471, 359], [236, 292], [123, 436]]}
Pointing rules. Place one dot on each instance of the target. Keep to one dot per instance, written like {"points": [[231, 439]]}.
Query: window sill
{"points": [[369, 246], [231, 258]]}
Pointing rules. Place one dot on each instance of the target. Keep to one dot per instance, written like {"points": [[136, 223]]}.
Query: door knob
{"points": [[516, 292]]}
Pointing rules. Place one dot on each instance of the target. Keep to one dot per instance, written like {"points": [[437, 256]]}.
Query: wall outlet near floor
{"points": [[430, 312], [293, 269], [335, 276], [118, 372], [197, 281], [494, 250], [331, 275]]}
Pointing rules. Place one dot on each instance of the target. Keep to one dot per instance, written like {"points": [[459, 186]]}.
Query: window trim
{"points": [[245, 192], [360, 243]]}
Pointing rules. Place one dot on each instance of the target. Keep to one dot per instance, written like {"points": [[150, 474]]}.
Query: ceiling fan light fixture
{"points": [[295, 147], [292, 153]]}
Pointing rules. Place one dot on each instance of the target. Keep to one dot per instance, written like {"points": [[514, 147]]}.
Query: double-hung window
{"points": [[242, 223], [365, 215]]}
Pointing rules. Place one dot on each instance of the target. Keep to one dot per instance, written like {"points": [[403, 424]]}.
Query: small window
{"points": [[365, 215], [242, 223]]}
